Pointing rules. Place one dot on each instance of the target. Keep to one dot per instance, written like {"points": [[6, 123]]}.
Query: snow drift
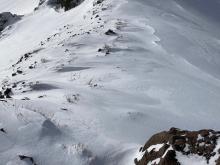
{"points": [[90, 84]]}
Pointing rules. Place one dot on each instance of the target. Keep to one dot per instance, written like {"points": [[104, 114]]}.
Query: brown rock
{"points": [[201, 143]]}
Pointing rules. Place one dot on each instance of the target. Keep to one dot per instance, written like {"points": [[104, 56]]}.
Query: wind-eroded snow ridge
{"points": [[86, 85], [40, 123]]}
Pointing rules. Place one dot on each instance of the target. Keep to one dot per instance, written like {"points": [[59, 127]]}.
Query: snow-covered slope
{"points": [[18, 7], [81, 96]]}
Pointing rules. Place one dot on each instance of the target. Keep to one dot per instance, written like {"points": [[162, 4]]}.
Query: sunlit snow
{"points": [[88, 107]]}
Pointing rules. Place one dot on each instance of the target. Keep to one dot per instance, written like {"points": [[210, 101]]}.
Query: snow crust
{"points": [[89, 108]]}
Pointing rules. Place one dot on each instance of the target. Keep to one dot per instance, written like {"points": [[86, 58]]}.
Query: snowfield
{"points": [[90, 85], [19, 7]]}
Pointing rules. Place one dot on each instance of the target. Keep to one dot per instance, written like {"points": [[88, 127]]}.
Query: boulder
{"points": [[162, 148]]}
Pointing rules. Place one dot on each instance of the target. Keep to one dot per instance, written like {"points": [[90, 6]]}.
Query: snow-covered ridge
{"points": [[89, 85], [19, 7]]}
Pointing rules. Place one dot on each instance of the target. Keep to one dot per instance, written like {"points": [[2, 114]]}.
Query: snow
{"points": [[19, 7], [192, 159], [214, 158], [198, 160], [162, 71], [155, 147], [199, 137], [156, 161]]}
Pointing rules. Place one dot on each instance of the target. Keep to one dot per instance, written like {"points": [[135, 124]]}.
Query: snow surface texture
{"points": [[18, 7], [83, 97]]}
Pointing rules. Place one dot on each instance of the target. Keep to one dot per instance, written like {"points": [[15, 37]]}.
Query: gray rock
{"points": [[66, 4], [7, 19]]}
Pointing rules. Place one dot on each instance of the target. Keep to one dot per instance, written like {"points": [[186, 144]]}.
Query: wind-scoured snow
{"points": [[86, 98], [19, 7]]}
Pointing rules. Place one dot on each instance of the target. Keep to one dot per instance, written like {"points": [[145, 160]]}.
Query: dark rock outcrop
{"points": [[28, 158], [7, 19], [162, 148], [5, 93], [66, 4], [97, 2], [110, 33]]}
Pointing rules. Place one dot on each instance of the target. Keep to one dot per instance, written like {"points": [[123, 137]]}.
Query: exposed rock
{"points": [[29, 158], [110, 33], [26, 56], [3, 130], [25, 98], [162, 148], [19, 71], [66, 4], [7, 19], [5, 93], [96, 2], [106, 49]]}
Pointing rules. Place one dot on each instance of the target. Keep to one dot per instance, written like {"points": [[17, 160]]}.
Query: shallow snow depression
{"points": [[91, 84]]}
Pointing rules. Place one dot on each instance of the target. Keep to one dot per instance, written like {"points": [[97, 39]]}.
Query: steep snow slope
{"points": [[73, 104], [18, 7]]}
